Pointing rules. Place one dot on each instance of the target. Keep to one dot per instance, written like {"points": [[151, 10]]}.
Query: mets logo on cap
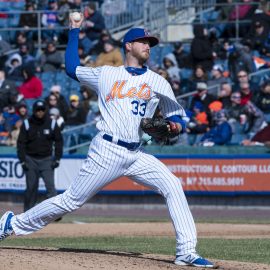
{"points": [[135, 34], [147, 34]]}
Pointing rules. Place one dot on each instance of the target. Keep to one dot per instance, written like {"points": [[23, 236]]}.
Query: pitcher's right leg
{"points": [[105, 162]]}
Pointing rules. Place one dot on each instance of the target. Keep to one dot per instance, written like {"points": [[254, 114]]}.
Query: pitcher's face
{"points": [[140, 49]]}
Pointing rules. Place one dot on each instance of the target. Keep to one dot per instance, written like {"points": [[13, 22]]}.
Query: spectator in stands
{"points": [[22, 111], [3, 130], [224, 49], [262, 100], [55, 114], [262, 15], [225, 10], [258, 37], [221, 133], [240, 12], [171, 66], [224, 13], [198, 123], [50, 21], [162, 72], [64, 9], [246, 118], [202, 96], [217, 78], [243, 76], [32, 86], [266, 48], [93, 22], [51, 101], [51, 59], [246, 93], [182, 57], [110, 56], [27, 58], [14, 123], [62, 104], [236, 114], [255, 119], [261, 138], [63, 12], [85, 42], [5, 47], [29, 20], [199, 75], [11, 117], [240, 58], [201, 48], [224, 95], [85, 59], [22, 39], [215, 106], [8, 91], [87, 96], [76, 114], [174, 83], [14, 68], [76, 5], [98, 47]]}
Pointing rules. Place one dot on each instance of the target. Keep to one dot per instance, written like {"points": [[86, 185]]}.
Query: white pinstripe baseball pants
{"points": [[105, 162]]}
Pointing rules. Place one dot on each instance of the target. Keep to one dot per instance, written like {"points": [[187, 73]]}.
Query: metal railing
{"points": [[120, 15], [257, 77], [76, 131]]}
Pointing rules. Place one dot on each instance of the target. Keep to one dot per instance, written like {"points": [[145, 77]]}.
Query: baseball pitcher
{"points": [[127, 97]]}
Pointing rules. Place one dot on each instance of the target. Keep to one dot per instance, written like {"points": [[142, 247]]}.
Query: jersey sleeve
{"points": [[89, 76], [168, 103]]}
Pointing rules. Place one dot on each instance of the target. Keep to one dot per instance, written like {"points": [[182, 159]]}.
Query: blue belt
{"points": [[130, 146]]}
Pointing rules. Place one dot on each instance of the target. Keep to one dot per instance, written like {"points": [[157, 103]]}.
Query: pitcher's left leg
{"points": [[148, 170]]}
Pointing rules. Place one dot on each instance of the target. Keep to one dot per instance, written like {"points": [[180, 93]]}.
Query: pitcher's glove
{"points": [[160, 129]]}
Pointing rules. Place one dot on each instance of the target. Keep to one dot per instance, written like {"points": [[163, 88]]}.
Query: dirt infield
{"points": [[65, 259]]}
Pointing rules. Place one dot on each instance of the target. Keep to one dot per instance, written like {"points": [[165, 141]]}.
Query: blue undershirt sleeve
{"points": [[72, 59], [178, 119]]}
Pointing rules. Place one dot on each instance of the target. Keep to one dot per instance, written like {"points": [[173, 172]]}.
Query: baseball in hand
{"points": [[76, 16]]}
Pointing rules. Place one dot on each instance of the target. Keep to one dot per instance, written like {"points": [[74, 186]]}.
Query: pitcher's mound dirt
{"points": [[22, 258]]}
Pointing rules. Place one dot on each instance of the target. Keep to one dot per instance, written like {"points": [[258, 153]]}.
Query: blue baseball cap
{"points": [[139, 33]]}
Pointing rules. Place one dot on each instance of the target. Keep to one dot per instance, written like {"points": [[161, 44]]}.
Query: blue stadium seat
{"points": [[185, 73], [29, 102], [48, 76]]}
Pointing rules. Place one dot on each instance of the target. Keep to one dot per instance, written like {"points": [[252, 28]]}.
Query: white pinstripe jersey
{"points": [[124, 99]]}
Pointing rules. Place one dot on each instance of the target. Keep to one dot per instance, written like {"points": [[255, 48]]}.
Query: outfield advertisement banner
{"points": [[206, 175]]}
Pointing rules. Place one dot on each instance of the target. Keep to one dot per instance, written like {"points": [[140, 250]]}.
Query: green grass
{"points": [[71, 218], [245, 250], [234, 221]]}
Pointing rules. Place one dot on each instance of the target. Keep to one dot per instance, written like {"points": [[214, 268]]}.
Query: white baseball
{"points": [[76, 16]]}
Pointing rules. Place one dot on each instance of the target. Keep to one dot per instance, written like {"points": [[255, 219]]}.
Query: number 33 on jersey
{"points": [[138, 96]]}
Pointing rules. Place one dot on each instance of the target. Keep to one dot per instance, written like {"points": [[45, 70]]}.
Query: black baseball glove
{"points": [[159, 129]]}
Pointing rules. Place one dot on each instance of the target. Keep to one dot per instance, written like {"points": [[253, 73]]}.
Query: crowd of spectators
{"points": [[224, 104]]}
